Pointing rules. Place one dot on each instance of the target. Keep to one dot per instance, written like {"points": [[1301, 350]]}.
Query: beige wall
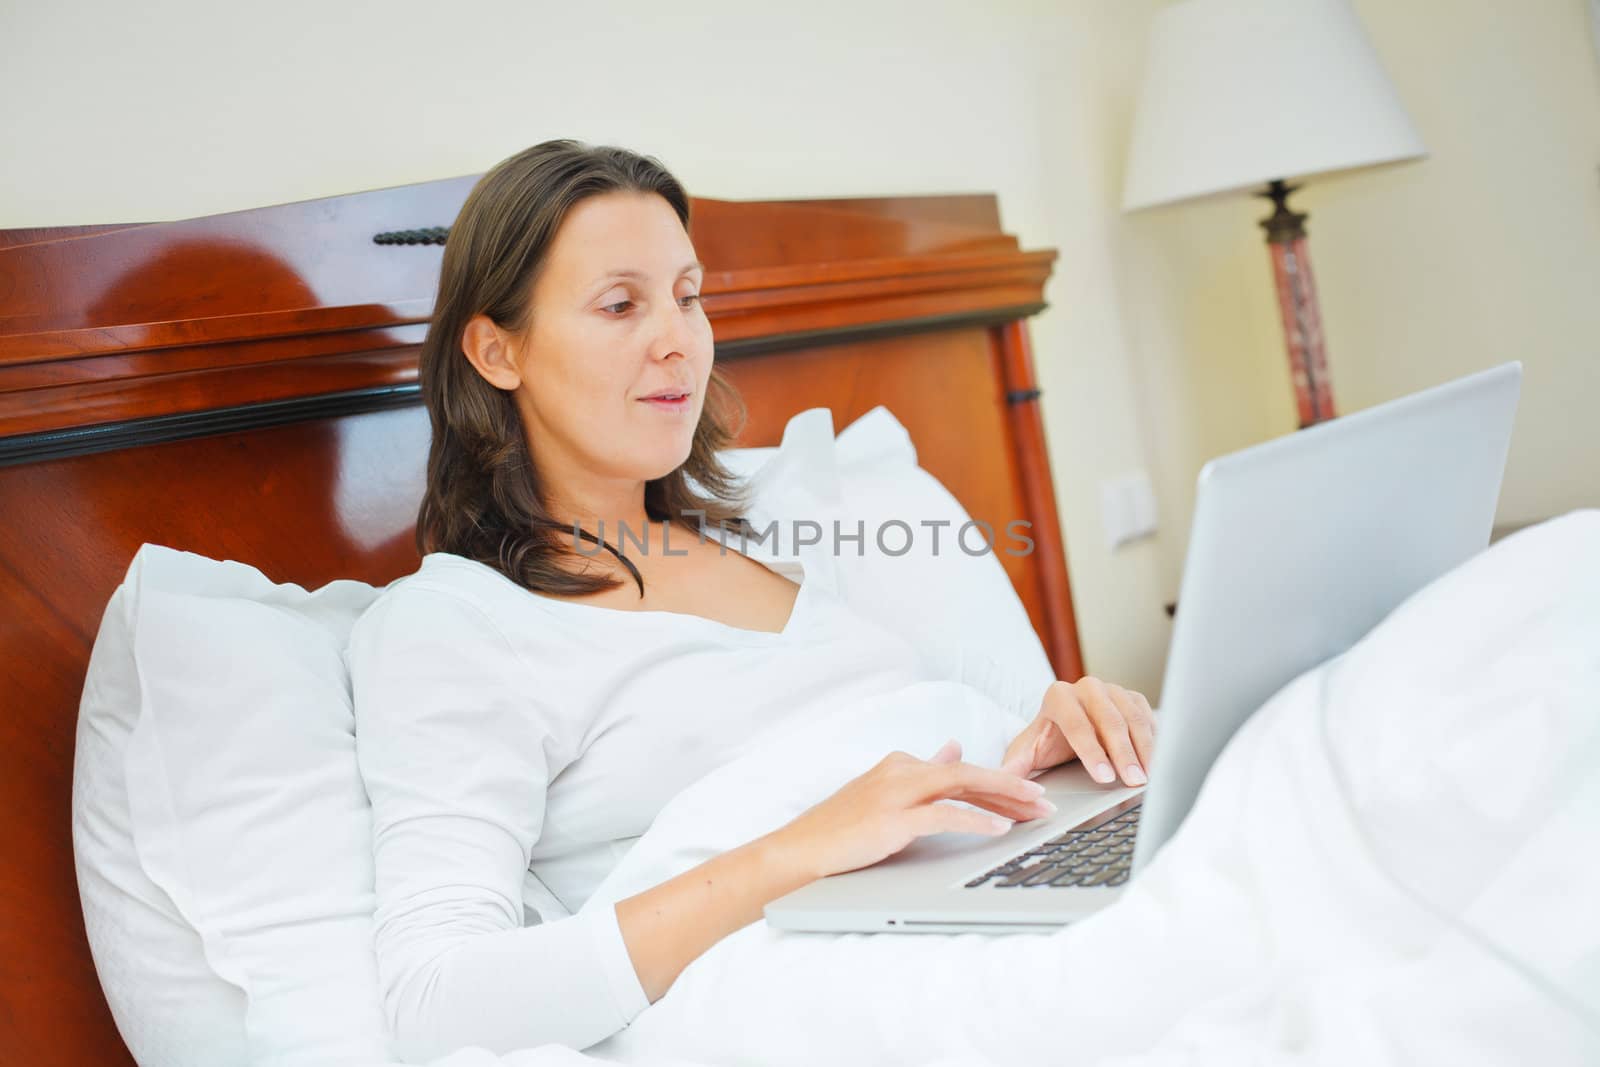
{"points": [[1160, 348], [1487, 250]]}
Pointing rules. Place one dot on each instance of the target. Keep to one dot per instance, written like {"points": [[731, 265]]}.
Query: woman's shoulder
{"points": [[444, 575], [447, 598], [435, 661]]}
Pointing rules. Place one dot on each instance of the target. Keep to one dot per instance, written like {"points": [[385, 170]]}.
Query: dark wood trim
{"points": [[130, 433], [1038, 490], [29, 235], [740, 304], [872, 331]]}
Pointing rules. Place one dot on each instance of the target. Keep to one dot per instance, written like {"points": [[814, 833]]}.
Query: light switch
{"points": [[1128, 508]]}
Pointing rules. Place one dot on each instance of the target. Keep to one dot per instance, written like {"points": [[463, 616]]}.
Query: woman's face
{"points": [[618, 352]]}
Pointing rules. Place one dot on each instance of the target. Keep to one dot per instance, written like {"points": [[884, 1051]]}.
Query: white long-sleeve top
{"points": [[514, 746]]}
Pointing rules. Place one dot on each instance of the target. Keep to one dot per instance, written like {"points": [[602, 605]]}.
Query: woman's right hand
{"points": [[881, 812]]}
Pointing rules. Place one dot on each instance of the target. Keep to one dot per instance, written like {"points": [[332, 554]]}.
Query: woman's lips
{"points": [[668, 402]]}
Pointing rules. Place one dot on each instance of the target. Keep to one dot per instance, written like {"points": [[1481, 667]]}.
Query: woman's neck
{"points": [[608, 515]]}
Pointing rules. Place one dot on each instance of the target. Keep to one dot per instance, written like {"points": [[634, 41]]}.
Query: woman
{"points": [[531, 698]]}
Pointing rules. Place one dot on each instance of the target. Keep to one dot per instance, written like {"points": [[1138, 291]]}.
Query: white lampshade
{"points": [[1237, 93]]}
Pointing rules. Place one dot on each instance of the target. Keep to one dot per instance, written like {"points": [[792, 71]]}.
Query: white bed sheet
{"points": [[1394, 862]]}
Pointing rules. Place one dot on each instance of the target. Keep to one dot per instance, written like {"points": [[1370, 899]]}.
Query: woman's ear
{"points": [[490, 352]]}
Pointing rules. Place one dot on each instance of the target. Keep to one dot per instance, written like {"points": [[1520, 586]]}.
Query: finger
{"points": [[1051, 745], [939, 818], [1008, 805], [1073, 721], [1112, 730], [1138, 720], [1018, 759], [1019, 765], [985, 785], [1149, 712], [949, 752]]}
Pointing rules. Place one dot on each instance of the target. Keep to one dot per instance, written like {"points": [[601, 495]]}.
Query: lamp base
{"points": [[1297, 304]]}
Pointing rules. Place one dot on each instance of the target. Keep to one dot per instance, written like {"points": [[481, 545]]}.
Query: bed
{"points": [[244, 386]]}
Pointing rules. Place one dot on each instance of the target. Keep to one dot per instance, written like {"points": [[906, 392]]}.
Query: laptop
{"points": [[1298, 547]]}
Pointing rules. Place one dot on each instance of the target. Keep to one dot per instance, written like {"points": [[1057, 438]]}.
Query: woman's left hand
{"points": [[1104, 725]]}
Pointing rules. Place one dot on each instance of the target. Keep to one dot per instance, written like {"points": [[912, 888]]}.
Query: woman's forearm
{"points": [[668, 926]]}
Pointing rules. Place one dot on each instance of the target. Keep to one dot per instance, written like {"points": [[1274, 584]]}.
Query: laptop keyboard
{"points": [[1098, 854]]}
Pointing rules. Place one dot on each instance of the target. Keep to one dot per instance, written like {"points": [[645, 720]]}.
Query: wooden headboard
{"points": [[244, 386]]}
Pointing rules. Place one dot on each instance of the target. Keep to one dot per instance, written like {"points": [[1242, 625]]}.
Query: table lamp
{"points": [[1241, 93]]}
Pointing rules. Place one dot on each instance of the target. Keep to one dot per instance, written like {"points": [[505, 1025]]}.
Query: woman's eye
{"points": [[688, 301], [620, 307]]}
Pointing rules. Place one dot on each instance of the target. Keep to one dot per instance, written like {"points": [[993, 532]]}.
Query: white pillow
{"points": [[221, 830], [953, 598], [168, 1003], [220, 826], [909, 572]]}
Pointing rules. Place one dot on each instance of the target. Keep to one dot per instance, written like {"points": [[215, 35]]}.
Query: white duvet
{"points": [[1394, 862]]}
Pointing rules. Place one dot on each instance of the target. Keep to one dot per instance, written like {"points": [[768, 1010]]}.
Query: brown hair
{"points": [[483, 498]]}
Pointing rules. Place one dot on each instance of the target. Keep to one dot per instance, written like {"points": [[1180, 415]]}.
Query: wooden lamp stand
{"points": [[1297, 303]]}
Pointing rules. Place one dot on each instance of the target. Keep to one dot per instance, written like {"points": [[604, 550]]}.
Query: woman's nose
{"points": [[672, 335]]}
